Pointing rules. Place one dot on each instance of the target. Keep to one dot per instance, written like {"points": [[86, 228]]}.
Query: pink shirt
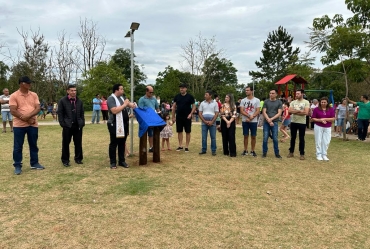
{"points": [[104, 106], [328, 113], [24, 103]]}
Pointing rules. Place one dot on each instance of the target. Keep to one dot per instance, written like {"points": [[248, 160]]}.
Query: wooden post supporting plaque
{"points": [[156, 145], [143, 149]]}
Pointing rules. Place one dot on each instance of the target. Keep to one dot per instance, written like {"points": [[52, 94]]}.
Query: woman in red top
{"points": [[104, 109], [285, 122]]}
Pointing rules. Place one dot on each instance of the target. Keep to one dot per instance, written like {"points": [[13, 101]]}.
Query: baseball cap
{"points": [[25, 79]]}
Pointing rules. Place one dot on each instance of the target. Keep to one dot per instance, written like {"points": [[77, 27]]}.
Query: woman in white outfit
{"points": [[323, 116]]}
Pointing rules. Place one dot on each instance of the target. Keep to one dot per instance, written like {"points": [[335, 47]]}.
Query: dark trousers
{"points": [[115, 143], [362, 126], [104, 114], [228, 138], [294, 128], [67, 135]]}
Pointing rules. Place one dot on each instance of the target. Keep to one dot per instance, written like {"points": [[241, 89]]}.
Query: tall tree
{"points": [[4, 69], [122, 58], [277, 55], [35, 55], [167, 83], [67, 61], [100, 80], [194, 55], [93, 44], [220, 75]]}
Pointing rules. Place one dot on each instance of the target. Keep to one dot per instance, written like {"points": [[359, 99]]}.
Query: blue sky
{"points": [[239, 26]]}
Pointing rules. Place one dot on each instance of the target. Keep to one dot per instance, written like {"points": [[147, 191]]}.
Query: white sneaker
{"points": [[336, 135], [319, 158], [325, 158]]}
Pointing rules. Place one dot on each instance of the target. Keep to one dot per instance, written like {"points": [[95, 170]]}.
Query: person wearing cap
{"points": [[149, 101], [24, 106], [182, 111], [72, 119], [5, 111]]}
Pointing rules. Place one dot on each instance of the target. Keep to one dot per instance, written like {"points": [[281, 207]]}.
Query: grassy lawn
{"points": [[187, 200]]}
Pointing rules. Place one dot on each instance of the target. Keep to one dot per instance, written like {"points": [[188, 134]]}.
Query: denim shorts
{"points": [[287, 122], [252, 126], [340, 121], [6, 116]]}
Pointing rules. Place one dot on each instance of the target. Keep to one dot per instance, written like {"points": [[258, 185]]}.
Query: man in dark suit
{"points": [[72, 120]]}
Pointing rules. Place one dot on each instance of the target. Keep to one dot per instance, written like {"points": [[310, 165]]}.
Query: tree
{"points": [[100, 80], [92, 44], [361, 11], [122, 59], [66, 60], [32, 61], [167, 83], [194, 54], [220, 75], [4, 69], [17, 71], [277, 55]]}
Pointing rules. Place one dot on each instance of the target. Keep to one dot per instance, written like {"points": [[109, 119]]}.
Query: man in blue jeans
{"points": [[208, 113], [96, 109], [24, 106], [272, 109]]}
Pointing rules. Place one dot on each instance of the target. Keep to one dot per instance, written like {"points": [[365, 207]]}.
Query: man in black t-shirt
{"points": [[182, 112]]}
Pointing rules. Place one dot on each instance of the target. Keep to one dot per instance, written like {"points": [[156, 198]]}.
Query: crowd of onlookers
{"points": [[273, 114]]}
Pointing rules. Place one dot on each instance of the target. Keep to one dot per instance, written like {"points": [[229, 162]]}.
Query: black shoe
{"points": [[213, 153], [253, 154], [123, 164], [186, 150], [202, 152], [264, 155], [66, 164], [151, 149], [278, 156], [79, 162], [113, 166], [179, 148], [245, 153]]}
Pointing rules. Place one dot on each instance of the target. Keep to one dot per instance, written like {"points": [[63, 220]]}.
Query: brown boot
{"points": [[301, 157], [290, 155]]}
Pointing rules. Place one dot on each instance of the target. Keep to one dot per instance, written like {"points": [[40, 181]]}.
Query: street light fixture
{"points": [[130, 33]]}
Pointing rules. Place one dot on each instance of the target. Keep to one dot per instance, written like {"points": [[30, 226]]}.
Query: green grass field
{"points": [[187, 200]]}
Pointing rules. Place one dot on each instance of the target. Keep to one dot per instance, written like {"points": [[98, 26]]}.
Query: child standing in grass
{"points": [[285, 122], [166, 133]]}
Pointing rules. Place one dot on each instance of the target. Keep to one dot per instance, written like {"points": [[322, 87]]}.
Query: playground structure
{"points": [[296, 81], [290, 78]]}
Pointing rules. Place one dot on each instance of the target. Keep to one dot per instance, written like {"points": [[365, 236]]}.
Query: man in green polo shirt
{"points": [[363, 116]]}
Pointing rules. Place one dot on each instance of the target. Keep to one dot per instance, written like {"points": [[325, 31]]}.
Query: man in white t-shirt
{"points": [[208, 113], [249, 110], [5, 110]]}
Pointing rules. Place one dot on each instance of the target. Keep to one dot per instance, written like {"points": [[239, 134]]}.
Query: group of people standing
{"points": [[24, 106]]}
